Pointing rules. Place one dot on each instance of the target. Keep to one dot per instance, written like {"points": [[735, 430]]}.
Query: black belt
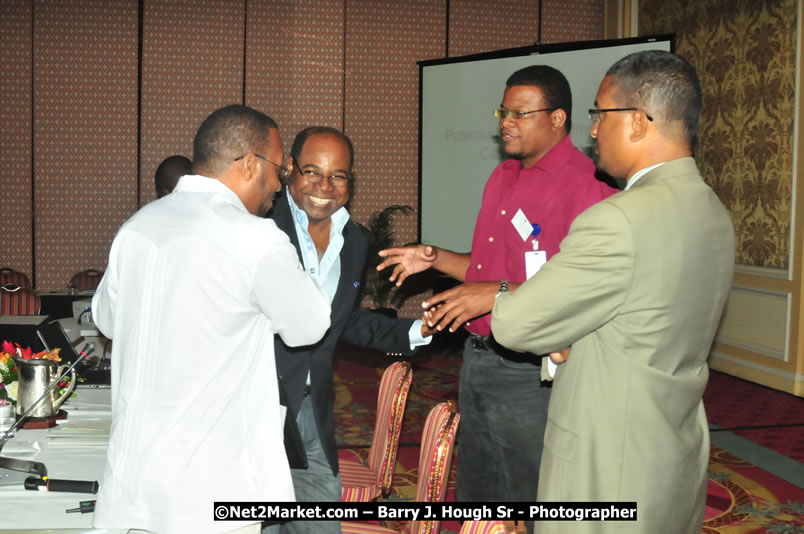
{"points": [[308, 389], [488, 343]]}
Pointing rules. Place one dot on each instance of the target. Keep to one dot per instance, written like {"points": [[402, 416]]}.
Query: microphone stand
{"points": [[29, 466]]}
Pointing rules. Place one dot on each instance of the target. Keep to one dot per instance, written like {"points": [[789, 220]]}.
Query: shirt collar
{"points": [[339, 218], [639, 174], [196, 183], [551, 161]]}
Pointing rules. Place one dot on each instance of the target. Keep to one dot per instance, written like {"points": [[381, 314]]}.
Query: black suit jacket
{"points": [[350, 322]]}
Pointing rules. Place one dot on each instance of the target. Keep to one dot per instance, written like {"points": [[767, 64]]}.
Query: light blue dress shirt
{"points": [[327, 271]]}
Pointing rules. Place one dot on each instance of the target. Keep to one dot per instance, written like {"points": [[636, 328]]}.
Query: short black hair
{"points": [[554, 86], [302, 136], [662, 84], [228, 133], [169, 172]]}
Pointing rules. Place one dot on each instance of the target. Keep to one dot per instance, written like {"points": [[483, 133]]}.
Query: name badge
{"points": [[534, 260], [522, 224]]}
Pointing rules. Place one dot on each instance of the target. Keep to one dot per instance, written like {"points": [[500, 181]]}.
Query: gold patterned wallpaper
{"points": [[745, 54]]}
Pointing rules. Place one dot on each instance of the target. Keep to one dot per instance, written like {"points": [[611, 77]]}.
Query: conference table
{"points": [[73, 450]]}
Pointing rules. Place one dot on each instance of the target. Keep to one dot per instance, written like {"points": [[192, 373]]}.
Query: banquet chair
{"points": [[16, 300], [10, 276], [361, 483], [493, 527], [85, 280], [435, 456]]}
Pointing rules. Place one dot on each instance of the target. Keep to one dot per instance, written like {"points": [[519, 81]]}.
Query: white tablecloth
{"points": [[74, 451]]}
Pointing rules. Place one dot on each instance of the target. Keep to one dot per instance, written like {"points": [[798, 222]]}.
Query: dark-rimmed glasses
{"points": [[516, 115], [312, 176], [283, 171], [594, 113]]}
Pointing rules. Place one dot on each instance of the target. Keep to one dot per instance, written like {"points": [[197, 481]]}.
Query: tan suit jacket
{"points": [[637, 290]]}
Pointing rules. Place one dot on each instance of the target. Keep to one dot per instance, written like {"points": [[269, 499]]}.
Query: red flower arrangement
{"points": [[10, 351], [8, 369]]}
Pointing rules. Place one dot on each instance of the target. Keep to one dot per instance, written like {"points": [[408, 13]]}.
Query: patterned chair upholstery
{"points": [[85, 280], [16, 300], [361, 483], [438, 438], [10, 276], [493, 527]]}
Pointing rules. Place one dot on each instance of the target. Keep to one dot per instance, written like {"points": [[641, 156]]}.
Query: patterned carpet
{"points": [[742, 498], [765, 416]]}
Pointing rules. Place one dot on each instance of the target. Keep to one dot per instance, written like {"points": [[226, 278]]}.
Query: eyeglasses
{"points": [[594, 113], [516, 115], [315, 177], [283, 171]]}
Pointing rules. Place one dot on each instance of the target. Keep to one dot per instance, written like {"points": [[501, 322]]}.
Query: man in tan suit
{"points": [[637, 290]]}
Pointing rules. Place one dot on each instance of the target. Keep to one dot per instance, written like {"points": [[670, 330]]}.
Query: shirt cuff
{"points": [[551, 367], [415, 335]]}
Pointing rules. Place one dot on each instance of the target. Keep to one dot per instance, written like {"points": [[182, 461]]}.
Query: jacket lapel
{"points": [[284, 220], [349, 267]]}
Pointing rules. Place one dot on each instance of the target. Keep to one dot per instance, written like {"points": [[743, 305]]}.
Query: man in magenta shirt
{"points": [[528, 205]]}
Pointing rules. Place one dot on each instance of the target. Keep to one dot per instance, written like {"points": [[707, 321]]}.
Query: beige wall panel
{"points": [[15, 131], [745, 365], [756, 320], [192, 64], [383, 44], [85, 125], [294, 63]]}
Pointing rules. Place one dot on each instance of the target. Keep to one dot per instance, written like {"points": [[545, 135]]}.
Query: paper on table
{"points": [[80, 433], [17, 448]]}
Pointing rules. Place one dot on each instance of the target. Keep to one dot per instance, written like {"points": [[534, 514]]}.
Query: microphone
{"points": [[29, 466], [53, 484], [88, 349]]}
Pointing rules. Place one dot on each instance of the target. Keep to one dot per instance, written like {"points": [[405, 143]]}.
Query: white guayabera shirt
{"points": [[195, 289]]}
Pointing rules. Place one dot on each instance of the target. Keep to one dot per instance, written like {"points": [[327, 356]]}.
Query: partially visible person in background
{"points": [[168, 174]]}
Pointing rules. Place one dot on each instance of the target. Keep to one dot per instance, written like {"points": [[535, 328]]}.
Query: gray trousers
{"points": [[503, 409]]}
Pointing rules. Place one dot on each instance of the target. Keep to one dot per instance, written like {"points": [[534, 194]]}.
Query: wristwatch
{"points": [[503, 288]]}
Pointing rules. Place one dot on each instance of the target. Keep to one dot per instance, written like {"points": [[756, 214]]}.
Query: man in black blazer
{"points": [[333, 251]]}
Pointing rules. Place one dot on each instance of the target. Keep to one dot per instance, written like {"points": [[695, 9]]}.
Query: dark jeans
{"points": [[503, 409]]}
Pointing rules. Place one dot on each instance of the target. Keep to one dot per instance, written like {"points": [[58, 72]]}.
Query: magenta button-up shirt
{"points": [[551, 194]]}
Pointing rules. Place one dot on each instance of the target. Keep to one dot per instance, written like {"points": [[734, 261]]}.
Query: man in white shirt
{"points": [[196, 287]]}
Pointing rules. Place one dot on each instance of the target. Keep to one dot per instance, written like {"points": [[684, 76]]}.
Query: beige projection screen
{"points": [[458, 132]]}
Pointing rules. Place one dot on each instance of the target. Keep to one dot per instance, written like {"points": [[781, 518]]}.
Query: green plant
{"points": [[380, 235]]}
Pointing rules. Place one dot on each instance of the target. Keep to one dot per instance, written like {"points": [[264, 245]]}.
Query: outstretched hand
{"points": [[427, 330], [407, 260], [455, 307]]}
